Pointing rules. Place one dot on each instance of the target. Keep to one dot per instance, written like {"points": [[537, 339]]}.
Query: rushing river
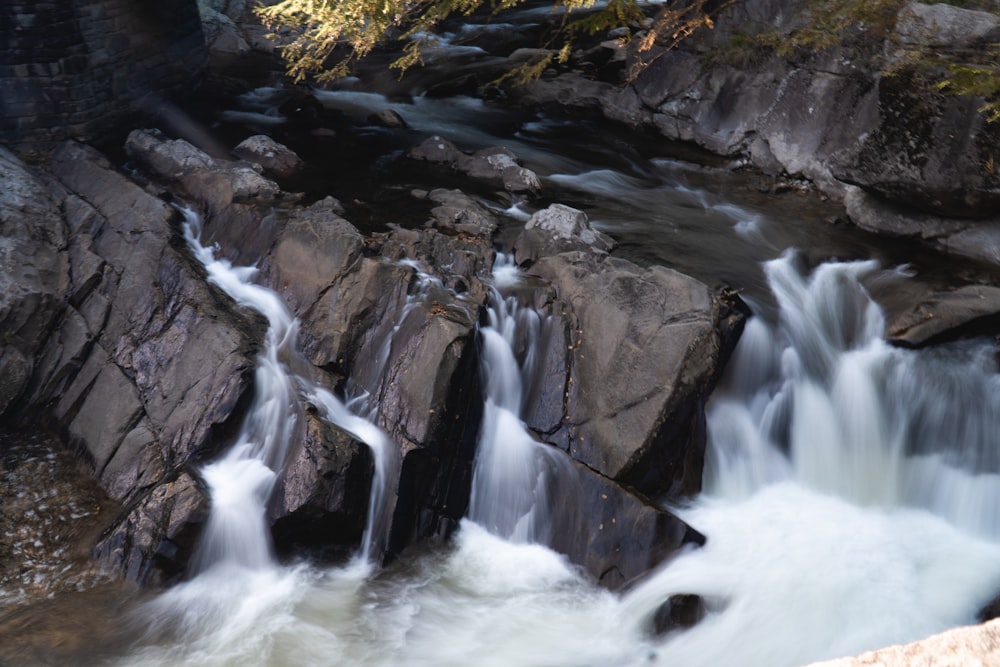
{"points": [[852, 489]]}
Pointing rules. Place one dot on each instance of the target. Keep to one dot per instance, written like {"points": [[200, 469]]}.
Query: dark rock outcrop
{"points": [[321, 500], [81, 68], [495, 166], [632, 410], [615, 534], [145, 368], [35, 276], [862, 113]]}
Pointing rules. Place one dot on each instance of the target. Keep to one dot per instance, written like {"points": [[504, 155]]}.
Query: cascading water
{"points": [[828, 530], [514, 475], [242, 480]]}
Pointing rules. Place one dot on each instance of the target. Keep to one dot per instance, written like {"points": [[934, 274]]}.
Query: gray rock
{"points": [[273, 157], [458, 212], [321, 498], [559, 228], [147, 366], [979, 239], [316, 247], [496, 166], [616, 535], [944, 25], [387, 118], [34, 271], [153, 540], [942, 314], [930, 153], [206, 179], [632, 409]]}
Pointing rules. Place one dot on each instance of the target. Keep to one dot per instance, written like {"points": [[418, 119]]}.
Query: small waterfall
{"points": [[851, 488], [821, 399], [515, 476], [242, 480]]}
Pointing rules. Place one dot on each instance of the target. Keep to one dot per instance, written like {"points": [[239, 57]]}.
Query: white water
{"points": [[241, 481], [515, 476]]}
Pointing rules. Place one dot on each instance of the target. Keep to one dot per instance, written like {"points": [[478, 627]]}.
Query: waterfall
{"points": [[241, 481], [851, 488], [821, 399], [515, 476]]}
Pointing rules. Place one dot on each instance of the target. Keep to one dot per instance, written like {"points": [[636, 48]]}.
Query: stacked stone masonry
{"points": [[79, 68]]}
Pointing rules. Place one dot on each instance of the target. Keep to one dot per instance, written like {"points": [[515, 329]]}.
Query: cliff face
{"points": [[79, 69]]}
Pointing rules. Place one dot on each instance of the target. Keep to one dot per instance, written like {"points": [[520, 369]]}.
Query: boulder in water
{"points": [[642, 350], [496, 165], [559, 228], [320, 501], [273, 157]]}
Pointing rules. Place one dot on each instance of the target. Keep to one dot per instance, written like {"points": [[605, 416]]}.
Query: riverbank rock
{"points": [[861, 113], [972, 646], [147, 366], [214, 183], [34, 272], [978, 240], [320, 503], [616, 535]]}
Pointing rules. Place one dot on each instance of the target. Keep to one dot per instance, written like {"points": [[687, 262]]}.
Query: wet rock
{"points": [[979, 240], [34, 272], [345, 316], [944, 314], [496, 166], [678, 612], [615, 534], [387, 118], [273, 157], [643, 350], [316, 248], [459, 213], [147, 368], [210, 181], [153, 541], [320, 502], [559, 228], [928, 152]]}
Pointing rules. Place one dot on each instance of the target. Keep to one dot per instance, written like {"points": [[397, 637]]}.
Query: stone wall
{"points": [[79, 68]]}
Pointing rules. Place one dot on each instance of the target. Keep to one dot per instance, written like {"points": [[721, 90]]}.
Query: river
{"points": [[851, 488]]}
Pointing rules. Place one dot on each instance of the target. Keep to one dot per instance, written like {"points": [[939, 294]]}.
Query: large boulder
{"points": [[558, 228], [614, 534], [640, 349], [320, 502], [147, 368], [975, 239], [929, 152]]}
